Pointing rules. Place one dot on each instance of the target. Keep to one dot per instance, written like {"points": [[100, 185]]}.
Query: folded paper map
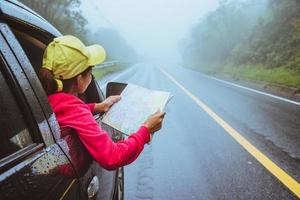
{"points": [[136, 105]]}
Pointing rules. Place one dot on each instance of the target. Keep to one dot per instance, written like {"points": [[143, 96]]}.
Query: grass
{"points": [[100, 73], [280, 75]]}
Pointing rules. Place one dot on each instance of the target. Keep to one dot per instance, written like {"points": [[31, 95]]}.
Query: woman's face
{"points": [[84, 81]]}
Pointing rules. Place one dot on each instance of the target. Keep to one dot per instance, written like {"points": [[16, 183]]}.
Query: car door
{"points": [[92, 181], [32, 165]]}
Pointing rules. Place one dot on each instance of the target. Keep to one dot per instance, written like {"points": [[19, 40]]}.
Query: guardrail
{"points": [[106, 64]]}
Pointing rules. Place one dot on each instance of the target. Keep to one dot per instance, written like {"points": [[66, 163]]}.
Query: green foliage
{"points": [[262, 40], [275, 41], [65, 15], [221, 31], [279, 75]]}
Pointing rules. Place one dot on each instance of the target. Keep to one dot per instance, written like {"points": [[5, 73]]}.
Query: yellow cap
{"points": [[67, 57]]}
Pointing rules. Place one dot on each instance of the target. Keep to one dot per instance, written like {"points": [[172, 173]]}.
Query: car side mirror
{"points": [[114, 88]]}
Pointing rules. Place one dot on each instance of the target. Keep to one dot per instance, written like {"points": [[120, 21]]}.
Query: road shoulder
{"points": [[272, 88]]}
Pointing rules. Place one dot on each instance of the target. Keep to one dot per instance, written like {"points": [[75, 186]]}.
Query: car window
{"points": [[14, 133], [34, 50]]}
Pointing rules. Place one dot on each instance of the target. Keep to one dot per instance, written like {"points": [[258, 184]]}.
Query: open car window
{"points": [[34, 50]]}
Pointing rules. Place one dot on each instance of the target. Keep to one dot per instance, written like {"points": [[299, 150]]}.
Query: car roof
{"points": [[13, 10]]}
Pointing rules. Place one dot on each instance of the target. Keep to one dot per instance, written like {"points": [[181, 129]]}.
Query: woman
{"points": [[66, 72]]}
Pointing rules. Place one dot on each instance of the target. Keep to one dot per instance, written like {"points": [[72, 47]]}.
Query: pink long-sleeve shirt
{"points": [[72, 112]]}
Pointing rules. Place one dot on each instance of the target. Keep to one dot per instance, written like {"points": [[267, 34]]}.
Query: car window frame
{"points": [[41, 95], [18, 14], [41, 35], [44, 112], [18, 156], [39, 128]]}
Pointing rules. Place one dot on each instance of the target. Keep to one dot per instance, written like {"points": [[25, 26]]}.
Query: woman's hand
{"points": [[154, 121], [107, 103]]}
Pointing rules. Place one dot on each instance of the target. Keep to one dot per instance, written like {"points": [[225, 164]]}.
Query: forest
{"points": [[67, 17], [255, 39]]}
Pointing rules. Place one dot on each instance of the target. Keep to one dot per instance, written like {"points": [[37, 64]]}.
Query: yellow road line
{"points": [[67, 190], [286, 179]]}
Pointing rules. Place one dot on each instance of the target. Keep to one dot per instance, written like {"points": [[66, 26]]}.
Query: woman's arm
{"points": [[108, 154], [106, 104]]}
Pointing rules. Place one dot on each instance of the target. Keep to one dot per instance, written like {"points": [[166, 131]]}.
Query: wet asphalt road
{"points": [[193, 157]]}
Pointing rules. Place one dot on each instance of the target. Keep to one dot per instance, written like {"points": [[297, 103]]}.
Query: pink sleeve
{"points": [[91, 106], [108, 154]]}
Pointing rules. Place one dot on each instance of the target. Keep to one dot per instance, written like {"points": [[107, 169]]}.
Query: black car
{"points": [[37, 160]]}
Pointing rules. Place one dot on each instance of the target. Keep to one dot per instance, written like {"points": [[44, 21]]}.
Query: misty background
{"points": [[256, 39]]}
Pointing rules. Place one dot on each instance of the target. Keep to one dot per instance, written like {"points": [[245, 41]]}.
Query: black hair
{"points": [[50, 85]]}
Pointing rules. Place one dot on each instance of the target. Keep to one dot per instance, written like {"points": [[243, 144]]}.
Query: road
{"points": [[194, 156]]}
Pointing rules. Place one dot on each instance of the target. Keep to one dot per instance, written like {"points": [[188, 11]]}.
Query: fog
{"points": [[200, 34], [153, 28]]}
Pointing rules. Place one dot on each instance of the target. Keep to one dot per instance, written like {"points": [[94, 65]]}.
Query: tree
{"points": [[115, 45], [276, 40], [215, 37], [65, 15]]}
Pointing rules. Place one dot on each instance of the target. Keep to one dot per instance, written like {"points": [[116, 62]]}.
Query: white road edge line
{"points": [[117, 77], [256, 91]]}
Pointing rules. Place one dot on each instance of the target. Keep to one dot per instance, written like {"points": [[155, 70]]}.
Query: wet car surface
{"points": [[38, 160]]}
